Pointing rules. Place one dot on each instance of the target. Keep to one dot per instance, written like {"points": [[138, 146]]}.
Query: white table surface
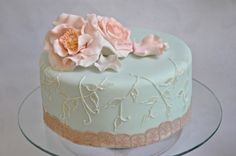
{"points": [[208, 26]]}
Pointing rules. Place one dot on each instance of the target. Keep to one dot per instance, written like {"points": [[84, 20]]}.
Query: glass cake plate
{"points": [[205, 121]]}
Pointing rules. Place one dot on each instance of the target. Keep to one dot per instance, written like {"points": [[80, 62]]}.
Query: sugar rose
{"points": [[70, 46], [116, 34]]}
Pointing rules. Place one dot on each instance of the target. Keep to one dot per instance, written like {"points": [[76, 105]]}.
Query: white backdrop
{"points": [[208, 26]]}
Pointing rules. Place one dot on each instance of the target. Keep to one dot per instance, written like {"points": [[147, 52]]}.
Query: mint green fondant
{"points": [[146, 92]]}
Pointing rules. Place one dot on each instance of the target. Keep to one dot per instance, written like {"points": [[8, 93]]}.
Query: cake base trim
{"points": [[106, 139]]}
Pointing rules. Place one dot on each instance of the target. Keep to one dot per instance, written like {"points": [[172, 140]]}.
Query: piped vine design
{"points": [[92, 107], [165, 94], [172, 80], [88, 98], [159, 92], [120, 119], [69, 105], [151, 102], [49, 82]]}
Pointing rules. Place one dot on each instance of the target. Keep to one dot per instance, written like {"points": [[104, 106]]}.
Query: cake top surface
{"points": [[102, 42]]}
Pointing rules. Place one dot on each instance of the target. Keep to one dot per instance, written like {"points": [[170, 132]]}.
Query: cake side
{"points": [[147, 92]]}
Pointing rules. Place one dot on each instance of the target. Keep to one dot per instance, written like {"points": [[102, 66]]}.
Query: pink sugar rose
{"points": [[116, 35], [70, 46], [113, 46], [150, 45]]}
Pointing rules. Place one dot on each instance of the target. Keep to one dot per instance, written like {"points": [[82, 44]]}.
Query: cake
{"points": [[105, 86]]}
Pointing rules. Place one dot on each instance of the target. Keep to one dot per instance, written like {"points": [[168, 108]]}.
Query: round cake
{"points": [[116, 101]]}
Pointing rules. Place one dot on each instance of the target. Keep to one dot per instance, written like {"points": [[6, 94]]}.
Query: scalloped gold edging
{"points": [[106, 139]]}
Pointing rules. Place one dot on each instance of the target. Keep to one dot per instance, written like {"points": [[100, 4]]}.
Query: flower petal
{"points": [[83, 60], [150, 45], [122, 52], [83, 40], [60, 29], [110, 62], [59, 49], [69, 19], [53, 35], [92, 24], [89, 55]]}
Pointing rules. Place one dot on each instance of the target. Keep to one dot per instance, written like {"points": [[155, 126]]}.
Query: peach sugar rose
{"points": [[117, 35], [70, 46]]}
